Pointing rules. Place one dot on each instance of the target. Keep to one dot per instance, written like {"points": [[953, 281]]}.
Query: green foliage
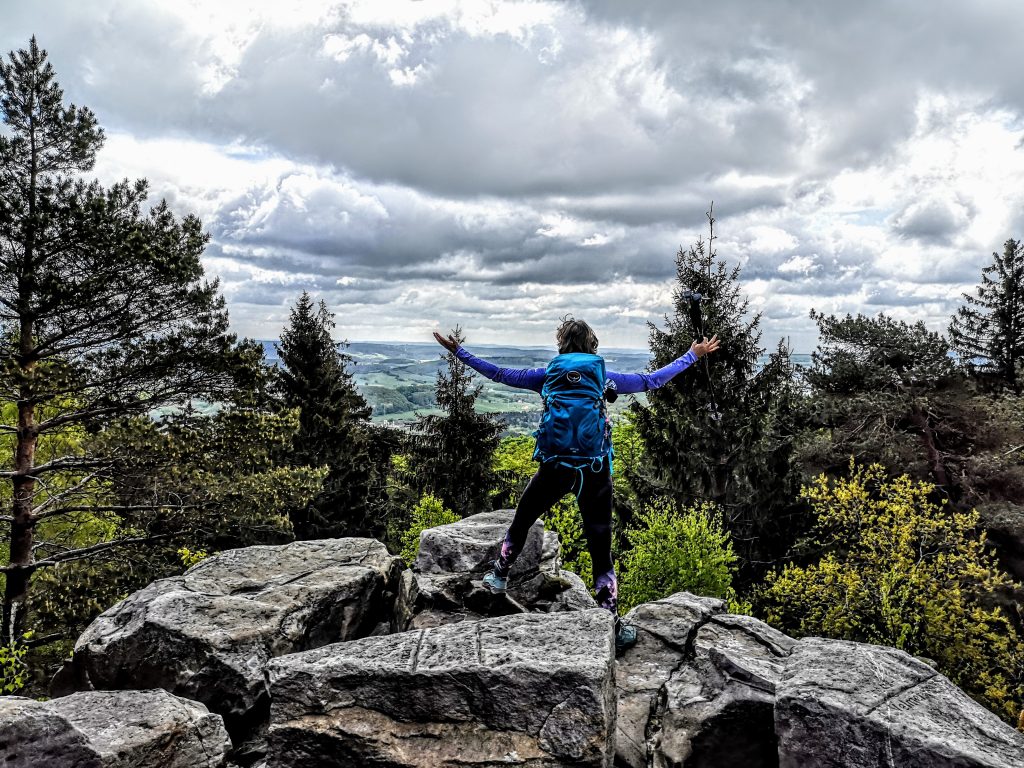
{"points": [[221, 481], [430, 512], [898, 570], [451, 455], [887, 392], [565, 520], [13, 670], [113, 318], [629, 465], [724, 430], [190, 557], [988, 332], [513, 466], [193, 482], [673, 550], [877, 354]]}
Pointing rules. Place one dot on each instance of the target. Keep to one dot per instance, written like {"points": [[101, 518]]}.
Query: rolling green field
{"points": [[397, 380]]}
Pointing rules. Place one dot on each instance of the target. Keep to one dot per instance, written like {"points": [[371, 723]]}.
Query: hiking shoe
{"points": [[625, 637], [494, 582]]}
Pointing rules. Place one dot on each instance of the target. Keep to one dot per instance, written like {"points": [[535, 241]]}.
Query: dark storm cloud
{"points": [[933, 221]]}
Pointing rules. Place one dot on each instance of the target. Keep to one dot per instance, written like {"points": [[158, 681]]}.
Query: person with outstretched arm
{"points": [[574, 447]]}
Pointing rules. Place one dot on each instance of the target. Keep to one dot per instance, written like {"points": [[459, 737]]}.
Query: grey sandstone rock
{"points": [[209, 633], [856, 705], [430, 597], [532, 690], [564, 591], [718, 709], [551, 553], [111, 729], [704, 688], [471, 544], [698, 688]]}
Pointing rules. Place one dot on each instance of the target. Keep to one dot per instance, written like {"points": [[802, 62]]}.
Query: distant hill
{"points": [[397, 378]]}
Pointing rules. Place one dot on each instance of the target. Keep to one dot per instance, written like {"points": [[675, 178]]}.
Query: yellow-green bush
{"points": [[899, 570], [672, 550], [428, 513], [13, 670], [190, 557]]}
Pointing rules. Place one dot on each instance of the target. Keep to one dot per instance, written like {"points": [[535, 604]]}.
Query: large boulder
{"points": [[529, 690], [444, 585], [471, 544], [862, 706], [718, 709], [208, 634], [111, 729], [705, 688], [665, 632]]}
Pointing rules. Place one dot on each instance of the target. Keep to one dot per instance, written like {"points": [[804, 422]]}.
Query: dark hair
{"points": [[575, 336]]}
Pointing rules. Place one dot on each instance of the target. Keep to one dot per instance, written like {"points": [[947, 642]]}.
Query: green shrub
{"points": [[190, 557], [898, 570], [672, 550], [428, 513]]}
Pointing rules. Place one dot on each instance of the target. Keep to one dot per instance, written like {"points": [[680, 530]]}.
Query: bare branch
{"points": [[81, 554]]}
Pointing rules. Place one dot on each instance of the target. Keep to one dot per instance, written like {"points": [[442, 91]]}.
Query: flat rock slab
{"points": [[860, 706], [208, 634], [111, 729], [529, 690], [471, 545]]}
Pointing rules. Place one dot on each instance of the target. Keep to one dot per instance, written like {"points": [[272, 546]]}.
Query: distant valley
{"points": [[397, 378]]}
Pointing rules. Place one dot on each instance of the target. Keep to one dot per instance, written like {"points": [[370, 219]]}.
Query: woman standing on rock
{"points": [[574, 447]]}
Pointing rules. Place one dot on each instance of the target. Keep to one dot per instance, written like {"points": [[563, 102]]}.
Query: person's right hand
{"points": [[701, 348], [448, 343]]}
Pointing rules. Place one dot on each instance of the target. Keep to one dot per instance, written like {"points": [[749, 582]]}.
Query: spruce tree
{"points": [[452, 454], [722, 431], [333, 422], [104, 314], [991, 325]]}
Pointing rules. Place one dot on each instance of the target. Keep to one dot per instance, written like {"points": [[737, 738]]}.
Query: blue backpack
{"points": [[574, 429]]}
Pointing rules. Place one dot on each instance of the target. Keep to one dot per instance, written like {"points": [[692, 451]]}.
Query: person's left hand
{"points": [[701, 348], [448, 343]]}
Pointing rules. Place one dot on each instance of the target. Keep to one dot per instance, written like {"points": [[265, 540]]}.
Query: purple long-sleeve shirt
{"points": [[533, 378]]}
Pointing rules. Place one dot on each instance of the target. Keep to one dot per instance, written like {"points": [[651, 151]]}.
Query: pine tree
{"points": [[879, 386], [104, 314], [991, 325], [722, 431], [452, 454], [333, 421]]}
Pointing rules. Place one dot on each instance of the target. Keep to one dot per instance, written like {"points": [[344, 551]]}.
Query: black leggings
{"points": [[551, 483]]}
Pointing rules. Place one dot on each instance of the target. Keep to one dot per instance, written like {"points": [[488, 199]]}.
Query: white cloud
{"points": [[499, 164]]}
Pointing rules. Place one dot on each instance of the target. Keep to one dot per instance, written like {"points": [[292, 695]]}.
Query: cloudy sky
{"points": [[423, 163]]}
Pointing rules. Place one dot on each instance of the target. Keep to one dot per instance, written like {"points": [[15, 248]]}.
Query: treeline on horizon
{"points": [[852, 498]]}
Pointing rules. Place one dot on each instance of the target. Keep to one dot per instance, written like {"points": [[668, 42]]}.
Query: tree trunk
{"points": [[935, 462], [22, 527], [24, 484]]}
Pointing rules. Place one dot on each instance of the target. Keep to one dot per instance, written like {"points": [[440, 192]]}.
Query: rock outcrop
{"points": [[705, 688], [331, 653], [470, 546], [530, 690], [111, 729], [444, 586], [859, 705], [208, 634]]}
